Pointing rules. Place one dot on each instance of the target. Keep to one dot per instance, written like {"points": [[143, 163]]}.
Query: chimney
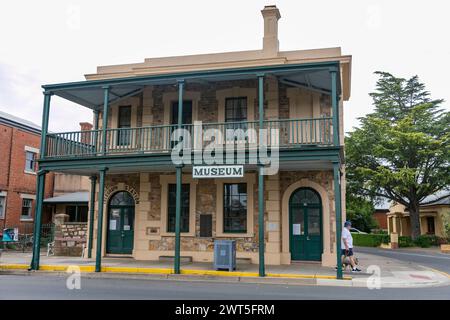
{"points": [[85, 136], [85, 126], [271, 14]]}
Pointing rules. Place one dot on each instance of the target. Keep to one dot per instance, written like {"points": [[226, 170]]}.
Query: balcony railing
{"points": [[286, 133]]}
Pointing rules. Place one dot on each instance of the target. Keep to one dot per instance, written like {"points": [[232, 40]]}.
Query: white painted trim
{"points": [[3, 194], [327, 254], [223, 94], [165, 180], [28, 196], [31, 149], [250, 180]]}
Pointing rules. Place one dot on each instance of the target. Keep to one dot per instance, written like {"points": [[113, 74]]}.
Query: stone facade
{"points": [[70, 238], [151, 242], [324, 180], [151, 107]]}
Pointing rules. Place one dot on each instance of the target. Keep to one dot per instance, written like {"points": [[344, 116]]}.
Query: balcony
{"points": [[288, 134]]}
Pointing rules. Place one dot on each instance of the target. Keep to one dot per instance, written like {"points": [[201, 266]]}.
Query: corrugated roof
{"points": [[12, 120], [443, 201], [75, 197]]}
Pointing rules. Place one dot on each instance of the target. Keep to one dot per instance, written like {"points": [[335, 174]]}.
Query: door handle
{"points": [[307, 238]]}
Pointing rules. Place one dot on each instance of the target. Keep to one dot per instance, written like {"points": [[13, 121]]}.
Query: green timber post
{"points": [[40, 192], [261, 237], [334, 106], [105, 117], [179, 170], [95, 135], [91, 215], [338, 213], [101, 194], [40, 185]]}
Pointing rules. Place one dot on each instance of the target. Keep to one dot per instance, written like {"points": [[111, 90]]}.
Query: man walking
{"points": [[347, 245]]}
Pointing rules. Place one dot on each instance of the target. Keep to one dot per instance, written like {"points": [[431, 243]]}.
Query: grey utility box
{"points": [[225, 254]]}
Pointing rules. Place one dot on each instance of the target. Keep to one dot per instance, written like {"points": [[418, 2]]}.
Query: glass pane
{"points": [[127, 219], [83, 213], [298, 219], [171, 216], [305, 196], [235, 207], [313, 222], [122, 198], [124, 117], [187, 112], [236, 109], [114, 220], [71, 212]]}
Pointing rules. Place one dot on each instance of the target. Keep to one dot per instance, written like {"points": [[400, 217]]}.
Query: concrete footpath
{"points": [[377, 271]]}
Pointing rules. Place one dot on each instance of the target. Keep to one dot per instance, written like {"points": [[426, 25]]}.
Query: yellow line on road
{"points": [[60, 268]]}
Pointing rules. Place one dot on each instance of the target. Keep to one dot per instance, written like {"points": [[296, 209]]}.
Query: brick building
{"points": [[19, 151]]}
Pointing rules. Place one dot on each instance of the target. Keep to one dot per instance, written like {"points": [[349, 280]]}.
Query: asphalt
{"points": [[38, 286], [431, 258]]}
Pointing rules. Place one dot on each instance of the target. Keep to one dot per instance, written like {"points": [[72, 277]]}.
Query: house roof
{"points": [[431, 200], [74, 197], [382, 204], [11, 120], [385, 204]]}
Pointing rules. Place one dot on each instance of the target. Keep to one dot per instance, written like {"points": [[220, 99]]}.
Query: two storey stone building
{"points": [[146, 206]]}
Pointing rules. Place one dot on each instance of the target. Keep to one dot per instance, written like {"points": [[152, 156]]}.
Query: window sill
{"points": [[29, 172], [26, 219], [172, 234], [234, 235]]}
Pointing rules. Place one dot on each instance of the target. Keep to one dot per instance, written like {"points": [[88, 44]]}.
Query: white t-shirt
{"points": [[347, 236]]}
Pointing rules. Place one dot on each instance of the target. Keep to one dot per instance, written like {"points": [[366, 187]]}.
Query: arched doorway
{"points": [[120, 235], [305, 225]]}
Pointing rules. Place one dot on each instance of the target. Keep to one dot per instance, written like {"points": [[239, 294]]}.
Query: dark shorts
{"points": [[349, 253]]}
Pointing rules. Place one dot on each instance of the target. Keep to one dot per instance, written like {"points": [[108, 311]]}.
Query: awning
{"points": [[75, 197], [90, 93]]}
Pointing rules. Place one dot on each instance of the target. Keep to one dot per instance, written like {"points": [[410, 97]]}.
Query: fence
{"points": [[26, 237]]}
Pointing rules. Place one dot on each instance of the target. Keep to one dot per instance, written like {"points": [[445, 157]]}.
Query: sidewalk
{"points": [[393, 273]]}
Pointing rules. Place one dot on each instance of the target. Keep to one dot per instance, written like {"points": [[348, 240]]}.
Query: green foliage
{"points": [[360, 213], [375, 240], [423, 241], [405, 242], [402, 150], [370, 240]]}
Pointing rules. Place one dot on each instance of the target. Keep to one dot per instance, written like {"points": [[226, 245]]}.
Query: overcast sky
{"points": [[45, 41]]}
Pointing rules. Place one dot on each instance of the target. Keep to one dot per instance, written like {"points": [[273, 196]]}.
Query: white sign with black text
{"points": [[234, 171]]}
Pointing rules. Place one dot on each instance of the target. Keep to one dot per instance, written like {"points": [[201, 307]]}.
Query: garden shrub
{"points": [[370, 240], [405, 242], [424, 241]]}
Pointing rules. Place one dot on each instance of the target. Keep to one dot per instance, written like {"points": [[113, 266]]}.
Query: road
{"points": [[54, 287], [432, 259]]}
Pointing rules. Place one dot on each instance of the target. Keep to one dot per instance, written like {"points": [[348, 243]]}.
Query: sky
{"points": [[46, 41]]}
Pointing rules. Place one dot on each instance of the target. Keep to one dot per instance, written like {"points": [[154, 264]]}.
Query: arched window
{"points": [[304, 196], [121, 198]]}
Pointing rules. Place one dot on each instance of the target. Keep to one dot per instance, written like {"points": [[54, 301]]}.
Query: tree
{"points": [[402, 150], [360, 212]]}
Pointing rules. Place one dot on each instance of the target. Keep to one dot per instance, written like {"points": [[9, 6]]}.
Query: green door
{"points": [[305, 221], [120, 224]]}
